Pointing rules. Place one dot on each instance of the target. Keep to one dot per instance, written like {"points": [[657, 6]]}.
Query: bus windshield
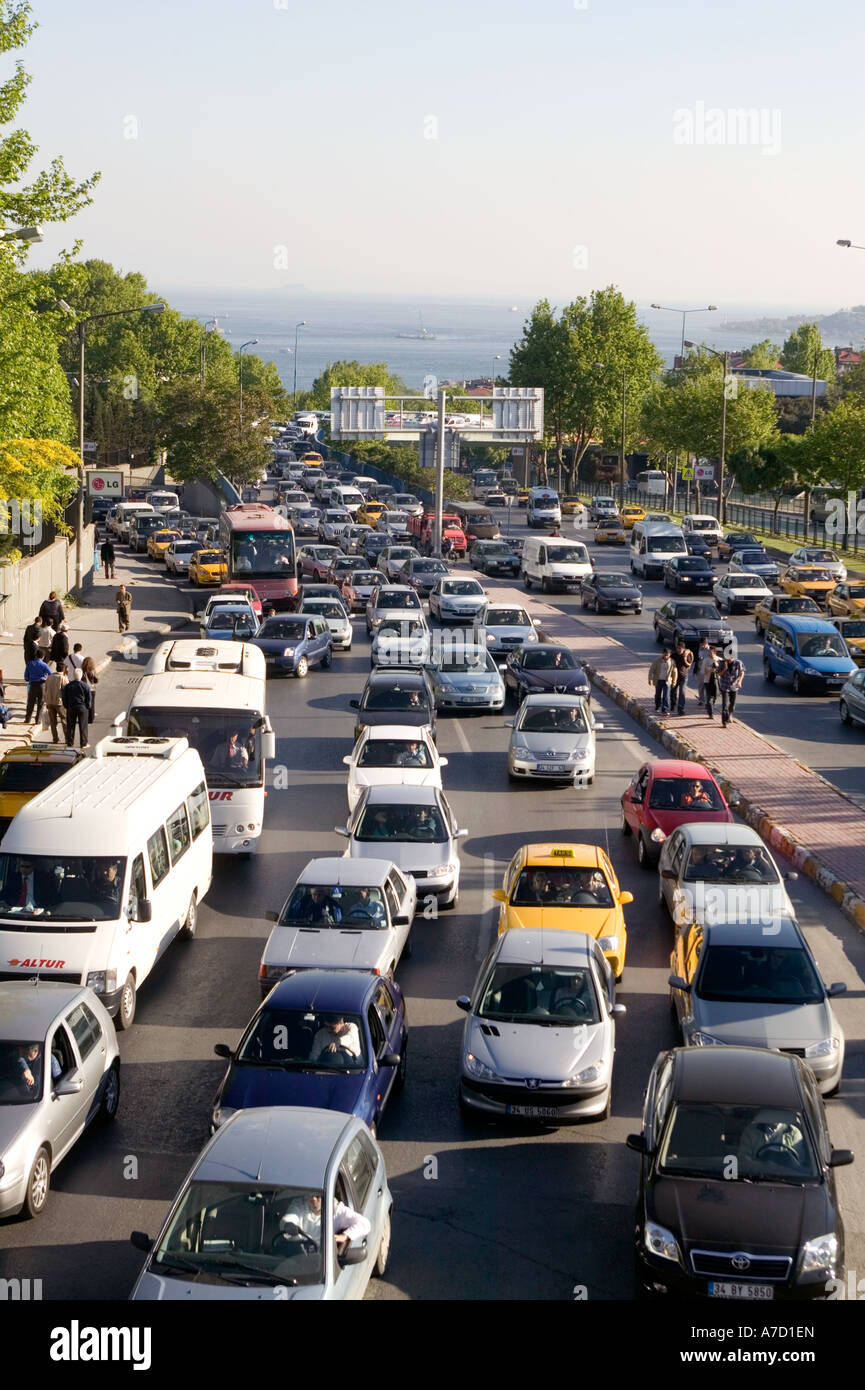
{"points": [[227, 741], [267, 554]]}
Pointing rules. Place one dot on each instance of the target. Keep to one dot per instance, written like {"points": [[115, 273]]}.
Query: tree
{"points": [[762, 354], [803, 349], [779, 468], [39, 474], [684, 412], [351, 374], [836, 446], [200, 427]]}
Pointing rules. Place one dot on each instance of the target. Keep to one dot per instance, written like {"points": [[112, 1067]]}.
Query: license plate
{"points": [[834, 685], [474, 699], [534, 1112], [552, 767], [751, 1292]]}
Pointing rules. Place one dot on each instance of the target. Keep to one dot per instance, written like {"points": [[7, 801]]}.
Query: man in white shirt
{"points": [[336, 1036], [75, 660], [304, 1214]]}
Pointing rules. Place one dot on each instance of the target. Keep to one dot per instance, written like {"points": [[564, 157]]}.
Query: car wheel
{"points": [[626, 829], [302, 668], [658, 638], [327, 659], [38, 1184], [110, 1096], [381, 1258], [768, 673], [644, 859], [187, 931], [126, 1012], [528, 582], [846, 716], [797, 684]]}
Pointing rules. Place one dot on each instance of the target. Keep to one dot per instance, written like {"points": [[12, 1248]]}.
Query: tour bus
{"points": [[213, 694], [101, 870], [652, 544], [258, 544], [476, 521], [483, 481], [652, 481]]}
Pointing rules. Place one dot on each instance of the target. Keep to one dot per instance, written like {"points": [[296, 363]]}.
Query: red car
{"points": [[237, 586], [664, 795]]}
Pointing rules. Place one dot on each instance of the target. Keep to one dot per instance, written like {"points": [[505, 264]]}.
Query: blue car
{"points": [[229, 624], [808, 652], [293, 642], [330, 1039]]}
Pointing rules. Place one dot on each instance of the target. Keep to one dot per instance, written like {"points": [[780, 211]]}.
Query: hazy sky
{"points": [[504, 148]]}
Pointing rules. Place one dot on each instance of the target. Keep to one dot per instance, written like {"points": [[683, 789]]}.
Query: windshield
{"points": [[558, 887], [414, 824], [209, 557], [545, 720], [372, 577], [854, 628], [546, 658], [314, 905], [428, 567], [567, 554], [691, 565], [395, 697], [812, 576], [730, 864], [540, 994], [820, 557], [797, 605], [755, 557], [283, 629], [670, 545], [244, 1233], [268, 554], [497, 548], [687, 614], [394, 752], [684, 794], [746, 581], [462, 586], [821, 644], [22, 1072], [227, 741], [767, 1143], [614, 581], [30, 777], [325, 609], [507, 617], [702, 523], [223, 619], [298, 1039], [478, 662], [759, 975], [397, 598], [856, 591], [61, 888]]}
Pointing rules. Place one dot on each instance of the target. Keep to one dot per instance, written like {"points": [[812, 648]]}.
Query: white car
{"points": [[826, 559], [333, 524], [403, 642], [395, 523], [457, 600], [179, 554], [704, 525], [392, 755], [394, 558], [553, 738], [740, 592], [342, 914], [506, 627], [336, 617], [722, 873], [416, 827]]}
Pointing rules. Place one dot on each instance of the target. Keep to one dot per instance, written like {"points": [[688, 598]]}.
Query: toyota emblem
{"points": [[740, 1262]]}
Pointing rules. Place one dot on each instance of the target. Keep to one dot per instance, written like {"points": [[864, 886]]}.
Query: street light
{"points": [[28, 234], [851, 245], [725, 358], [210, 326], [250, 342], [302, 324], [703, 309], [603, 366]]}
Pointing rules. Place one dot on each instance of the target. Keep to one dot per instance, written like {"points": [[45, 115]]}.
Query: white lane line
{"points": [[461, 735]]}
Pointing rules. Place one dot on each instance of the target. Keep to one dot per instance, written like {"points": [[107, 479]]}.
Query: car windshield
{"points": [[397, 598], [283, 629], [22, 1072], [507, 617], [613, 581], [797, 605], [768, 1144], [820, 557], [540, 994], [324, 905], [244, 1233], [477, 662], [854, 628], [325, 608], [395, 697], [759, 975], [394, 752], [414, 824], [811, 575], [755, 557], [746, 581], [739, 538], [462, 586], [690, 564], [30, 777], [546, 720], [227, 741], [856, 591], [687, 613], [225, 619], [559, 887], [730, 864], [689, 794], [372, 577], [545, 658], [428, 567], [496, 548], [821, 644], [668, 545], [60, 888], [305, 1039], [567, 554]]}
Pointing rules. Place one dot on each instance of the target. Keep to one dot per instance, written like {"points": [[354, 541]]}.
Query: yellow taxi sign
{"points": [[561, 854]]}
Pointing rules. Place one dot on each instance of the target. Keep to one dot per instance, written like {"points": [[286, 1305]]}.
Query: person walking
{"points": [[730, 682], [44, 640], [704, 652], [59, 649], [76, 703], [123, 601], [107, 556], [31, 632], [91, 679], [75, 660], [683, 660], [53, 709], [662, 675], [5, 711], [710, 681], [51, 610], [36, 673]]}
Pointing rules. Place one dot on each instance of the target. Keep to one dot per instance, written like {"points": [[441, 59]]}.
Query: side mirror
{"points": [[637, 1142], [70, 1085], [341, 830], [144, 912], [667, 873], [676, 982], [389, 1059], [838, 988], [268, 744], [141, 1241], [271, 916], [537, 622], [618, 1010], [354, 704], [347, 760], [791, 876], [839, 1158], [354, 1254], [464, 1003], [625, 898], [222, 1050], [500, 895]]}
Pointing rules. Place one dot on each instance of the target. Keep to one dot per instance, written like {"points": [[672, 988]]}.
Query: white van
{"points": [[542, 508], [307, 424], [344, 495], [652, 544], [101, 870], [163, 498], [123, 513], [191, 654], [554, 563], [703, 524]]}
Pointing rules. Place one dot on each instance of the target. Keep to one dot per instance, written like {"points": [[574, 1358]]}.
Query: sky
{"points": [[483, 149]]}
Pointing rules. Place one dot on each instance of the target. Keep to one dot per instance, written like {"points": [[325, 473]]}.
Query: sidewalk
{"points": [[157, 609]]}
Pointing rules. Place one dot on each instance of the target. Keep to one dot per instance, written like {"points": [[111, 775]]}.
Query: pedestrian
{"points": [[704, 653], [59, 647], [36, 672], [683, 660], [123, 600], [53, 709], [5, 711], [107, 556], [88, 671], [662, 675], [730, 681], [76, 703], [75, 660], [51, 610], [44, 640], [710, 681], [31, 632]]}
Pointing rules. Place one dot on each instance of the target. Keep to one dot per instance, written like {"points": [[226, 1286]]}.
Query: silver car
{"points": [[336, 617], [416, 828], [59, 1070], [465, 677], [179, 554], [819, 555], [506, 627], [334, 523], [851, 705], [457, 600], [722, 873], [391, 603], [539, 1040], [732, 985], [553, 738], [393, 559], [403, 642], [354, 538], [283, 1202], [754, 560]]}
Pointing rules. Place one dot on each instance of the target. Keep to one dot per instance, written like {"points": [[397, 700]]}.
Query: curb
{"points": [[805, 860]]}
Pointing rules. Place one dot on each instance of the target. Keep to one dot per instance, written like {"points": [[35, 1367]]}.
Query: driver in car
{"points": [[333, 1037], [302, 1221]]}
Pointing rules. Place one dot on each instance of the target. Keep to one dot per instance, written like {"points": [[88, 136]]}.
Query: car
{"points": [[335, 615], [305, 520], [178, 556], [354, 539], [290, 496], [59, 1072], [566, 887], [543, 1002], [346, 914], [688, 573], [396, 696], [754, 560], [307, 591], [358, 587], [423, 573], [315, 562], [655, 518], [494, 557], [466, 677], [207, 567], [852, 631], [375, 543], [720, 873], [809, 652], [393, 559], [851, 703], [523, 497], [454, 599], [506, 627], [293, 642], [810, 581], [735, 540], [610, 591], [736, 1196], [740, 592], [781, 603], [395, 524], [847, 601], [26, 770], [630, 515], [329, 1039], [695, 545], [141, 528], [159, 541], [572, 505], [664, 794], [825, 559], [369, 513], [690, 622], [553, 739], [416, 828], [255, 1217], [407, 502], [334, 523], [611, 531], [601, 508], [228, 623], [392, 755], [496, 498], [391, 603], [345, 565], [401, 642], [547, 666], [236, 588], [703, 524], [726, 988]]}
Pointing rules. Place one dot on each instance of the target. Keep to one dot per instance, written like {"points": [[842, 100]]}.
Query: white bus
{"points": [[192, 690], [102, 869], [653, 481]]}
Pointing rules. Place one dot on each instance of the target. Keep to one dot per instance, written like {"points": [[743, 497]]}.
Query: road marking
{"points": [[461, 735]]}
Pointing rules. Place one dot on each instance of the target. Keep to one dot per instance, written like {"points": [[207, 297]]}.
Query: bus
{"points": [[213, 695], [484, 480], [476, 520], [258, 544], [653, 482]]}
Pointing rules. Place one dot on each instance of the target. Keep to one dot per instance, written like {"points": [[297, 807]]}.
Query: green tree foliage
{"points": [[835, 448], [803, 349], [200, 427], [762, 354], [350, 374], [684, 412]]}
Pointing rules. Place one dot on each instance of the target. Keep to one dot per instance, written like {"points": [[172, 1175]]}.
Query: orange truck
{"points": [[422, 529]]}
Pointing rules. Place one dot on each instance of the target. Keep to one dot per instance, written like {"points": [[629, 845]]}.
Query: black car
{"points": [[494, 557], [690, 621], [547, 666], [689, 573], [737, 1196], [611, 592], [697, 546], [395, 695], [375, 543], [735, 540]]}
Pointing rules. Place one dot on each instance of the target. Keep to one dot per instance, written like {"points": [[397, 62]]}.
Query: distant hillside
{"points": [[843, 327]]}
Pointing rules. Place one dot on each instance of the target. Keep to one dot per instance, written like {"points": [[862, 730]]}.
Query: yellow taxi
{"points": [[566, 887], [369, 513], [631, 515], [807, 581], [207, 567], [848, 601], [611, 531], [159, 541], [853, 632], [27, 770], [312, 461], [571, 505], [523, 497]]}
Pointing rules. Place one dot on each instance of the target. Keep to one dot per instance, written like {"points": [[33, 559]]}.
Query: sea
{"points": [[472, 338]]}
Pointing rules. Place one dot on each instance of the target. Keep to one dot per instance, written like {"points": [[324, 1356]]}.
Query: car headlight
{"points": [[273, 972], [706, 1040], [491, 637], [824, 1048], [819, 1254], [442, 871], [659, 1241], [658, 835], [288, 651], [810, 671], [521, 751], [102, 981], [608, 943], [587, 1075], [477, 1068], [222, 1113]]}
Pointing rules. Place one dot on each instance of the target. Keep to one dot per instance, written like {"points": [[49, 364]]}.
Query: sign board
{"points": [[105, 482], [704, 472], [686, 472], [517, 453], [357, 412], [90, 447]]}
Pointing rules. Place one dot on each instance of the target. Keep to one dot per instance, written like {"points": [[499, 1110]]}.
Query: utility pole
{"points": [[440, 476], [722, 507], [622, 456]]}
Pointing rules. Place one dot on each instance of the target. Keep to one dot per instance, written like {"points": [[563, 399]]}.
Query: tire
{"points": [[644, 859], [380, 1266], [327, 660], [846, 716], [768, 673], [38, 1185], [528, 582], [658, 638], [126, 1012], [110, 1096], [626, 829], [545, 585], [302, 669], [797, 684], [190, 922]]}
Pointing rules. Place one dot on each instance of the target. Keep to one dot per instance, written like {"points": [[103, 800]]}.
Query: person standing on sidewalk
{"points": [[730, 681], [88, 671], [59, 647], [704, 653], [31, 632], [36, 673], [76, 703], [44, 640], [709, 677], [51, 610], [123, 600], [662, 675], [75, 660], [107, 556], [683, 660], [54, 702]]}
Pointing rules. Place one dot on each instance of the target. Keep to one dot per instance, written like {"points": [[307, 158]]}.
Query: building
{"points": [[845, 358], [782, 383]]}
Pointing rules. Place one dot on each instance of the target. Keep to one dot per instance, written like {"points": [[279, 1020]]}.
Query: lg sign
{"points": [[105, 484]]}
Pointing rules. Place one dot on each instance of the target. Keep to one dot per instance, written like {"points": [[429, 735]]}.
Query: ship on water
{"points": [[425, 334]]}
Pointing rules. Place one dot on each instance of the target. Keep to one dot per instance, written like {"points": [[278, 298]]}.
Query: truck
{"points": [[422, 528]]}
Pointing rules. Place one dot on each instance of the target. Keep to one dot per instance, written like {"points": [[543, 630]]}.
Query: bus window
{"points": [[137, 888], [199, 810], [158, 851], [178, 833]]}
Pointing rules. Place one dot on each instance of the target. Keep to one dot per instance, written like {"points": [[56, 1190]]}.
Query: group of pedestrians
{"points": [[714, 674], [61, 682]]}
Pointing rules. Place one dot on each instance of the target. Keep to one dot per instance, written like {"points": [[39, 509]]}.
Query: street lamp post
{"points": [[31, 235], [302, 324], [703, 309], [210, 326], [603, 366], [724, 358], [251, 342]]}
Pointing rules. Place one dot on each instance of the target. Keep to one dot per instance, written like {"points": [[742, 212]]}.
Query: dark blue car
{"points": [[543, 668], [330, 1039], [293, 642]]}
